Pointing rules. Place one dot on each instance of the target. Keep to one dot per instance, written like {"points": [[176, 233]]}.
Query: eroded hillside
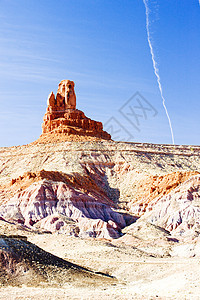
{"points": [[105, 206]]}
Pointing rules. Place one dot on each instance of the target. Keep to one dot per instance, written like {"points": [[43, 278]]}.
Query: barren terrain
{"points": [[128, 213]]}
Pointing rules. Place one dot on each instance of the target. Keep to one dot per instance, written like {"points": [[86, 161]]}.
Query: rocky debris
{"points": [[97, 228], [82, 227], [62, 121], [145, 231], [57, 223], [46, 198], [147, 238], [14, 227], [22, 262], [179, 211], [13, 236]]}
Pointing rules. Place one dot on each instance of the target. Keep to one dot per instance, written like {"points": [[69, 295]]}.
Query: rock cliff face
{"points": [[62, 121]]}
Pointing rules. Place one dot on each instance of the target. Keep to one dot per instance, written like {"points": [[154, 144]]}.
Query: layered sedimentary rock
{"points": [[152, 187], [55, 206], [62, 121], [179, 211], [111, 177]]}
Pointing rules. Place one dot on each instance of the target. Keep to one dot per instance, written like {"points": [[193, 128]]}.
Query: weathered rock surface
{"points": [[82, 227], [62, 121], [86, 184], [46, 198], [57, 223], [151, 187], [112, 177], [179, 211]]}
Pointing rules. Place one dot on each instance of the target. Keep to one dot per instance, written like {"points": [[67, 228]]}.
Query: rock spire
{"points": [[62, 121]]}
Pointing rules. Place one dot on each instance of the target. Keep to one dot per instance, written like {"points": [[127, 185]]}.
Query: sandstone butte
{"points": [[64, 122]]}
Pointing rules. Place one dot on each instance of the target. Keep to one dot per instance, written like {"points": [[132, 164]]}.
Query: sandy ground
{"points": [[139, 275]]}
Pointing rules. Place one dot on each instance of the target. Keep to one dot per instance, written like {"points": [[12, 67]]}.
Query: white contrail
{"points": [[156, 70]]}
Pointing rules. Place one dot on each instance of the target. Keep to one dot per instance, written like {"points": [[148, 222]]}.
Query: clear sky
{"points": [[102, 46]]}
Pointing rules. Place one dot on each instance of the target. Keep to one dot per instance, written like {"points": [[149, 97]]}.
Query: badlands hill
{"points": [[100, 186], [104, 213]]}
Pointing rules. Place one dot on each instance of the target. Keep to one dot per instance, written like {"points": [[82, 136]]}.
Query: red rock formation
{"points": [[62, 121], [84, 183]]}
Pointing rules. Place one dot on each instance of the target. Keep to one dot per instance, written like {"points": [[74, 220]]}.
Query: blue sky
{"points": [[102, 46]]}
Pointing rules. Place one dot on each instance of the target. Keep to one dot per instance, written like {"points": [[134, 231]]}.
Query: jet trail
{"points": [[156, 70]]}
